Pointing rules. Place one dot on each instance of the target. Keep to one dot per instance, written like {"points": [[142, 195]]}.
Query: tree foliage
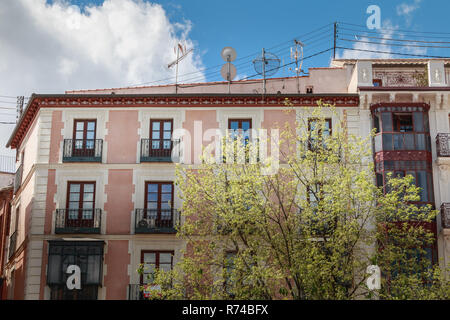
{"points": [[309, 231]]}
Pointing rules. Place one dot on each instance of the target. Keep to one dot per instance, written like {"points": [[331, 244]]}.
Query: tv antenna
{"points": [[267, 65], [297, 54], [228, 70], [179, 49], [19, 107]]}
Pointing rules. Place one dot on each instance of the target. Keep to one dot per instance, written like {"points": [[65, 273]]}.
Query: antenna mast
{"points": [[296, 55], [184, 53], [19, 108]]}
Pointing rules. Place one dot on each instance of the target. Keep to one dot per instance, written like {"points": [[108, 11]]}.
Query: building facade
{"points": [[95, 172]]}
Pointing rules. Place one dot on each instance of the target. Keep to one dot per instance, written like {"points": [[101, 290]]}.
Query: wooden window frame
{"points": [[83, 150], [80, 201], [157, 253]]}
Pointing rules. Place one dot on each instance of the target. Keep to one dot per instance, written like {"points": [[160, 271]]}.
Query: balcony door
{"points": [[159, 203], [80, 204], [84, 138], [154, 260], [161, 138]]}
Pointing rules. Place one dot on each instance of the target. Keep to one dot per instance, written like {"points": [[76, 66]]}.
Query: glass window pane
{"points": [[89, 187], [420, 141], [418, 121], [398, 142], [422, 183], [155, 126], [152, 187], [80, 126], [74, 205], [90, 135], [155, 144], [167, 126], [165, 267], [245, 125], [149, 257], [426, 125], [409, 141], [166, 144], [378, 146], [166, 197], [88, 197], [155, 134], [73, 214], [165, 258], [386, 121], [88, 205], [152, 205], [166, 187], [79, 135], [387, 142], [167, 135], [165, 205], [234, 125], [91, 126], [74, 197], [74, 188], [152, 197], [88, 214]]}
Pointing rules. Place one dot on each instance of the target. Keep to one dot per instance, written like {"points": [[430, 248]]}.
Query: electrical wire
{"points": [[396, 53], [393, 44]]}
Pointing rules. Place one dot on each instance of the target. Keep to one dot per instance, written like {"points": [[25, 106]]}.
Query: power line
{"points": [[397, 30], [393, 44], [393, 32], [3, 122], [396, 53], [392, 39]]}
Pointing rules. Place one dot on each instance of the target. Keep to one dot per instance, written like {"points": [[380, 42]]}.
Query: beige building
{"points": [[95, 172]]}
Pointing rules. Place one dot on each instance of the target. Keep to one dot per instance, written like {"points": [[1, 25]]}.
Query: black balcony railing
{"points": [[442, 144], [156, 220], [445, 215], [78, 220], [12, 244], [134, 292], [18, 178], [82, 150], [158, 150]]}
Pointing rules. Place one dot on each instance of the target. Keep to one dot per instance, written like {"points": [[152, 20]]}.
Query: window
{"points": [[80, 203], [159, 200], [377, 82], [161, 135], [309, 89], [88, 255], [323, 133], [84, 137], [240, 127], [154, 260], [403, 122]]}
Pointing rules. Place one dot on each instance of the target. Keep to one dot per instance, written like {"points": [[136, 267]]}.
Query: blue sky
{"points": [[251, 25], [50, 46]]}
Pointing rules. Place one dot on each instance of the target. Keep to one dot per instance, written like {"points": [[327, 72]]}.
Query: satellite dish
{"points": [[266, 64], [228, 54], [228, 72]]}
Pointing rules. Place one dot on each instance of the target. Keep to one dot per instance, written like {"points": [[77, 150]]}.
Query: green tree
{"points": [[309, 230]]}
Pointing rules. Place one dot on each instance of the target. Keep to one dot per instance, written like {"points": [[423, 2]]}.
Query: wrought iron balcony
{"points": [[134, 292], [82, 150], [12, 244], [78, 220], [158, 150], [156, 220], [18, 178], [445, 215], [442, 145]]}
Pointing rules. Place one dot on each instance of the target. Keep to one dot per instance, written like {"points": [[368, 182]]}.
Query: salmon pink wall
{"points": [[117, 279], [56, 136], [208, 120], [50, 204], [278, 119], [122, 137], [119, 203], [43, 270]]}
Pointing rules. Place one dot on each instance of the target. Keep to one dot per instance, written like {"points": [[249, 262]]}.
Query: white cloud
{"points": [[383, 45], [48, 48], [406, 10]]}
